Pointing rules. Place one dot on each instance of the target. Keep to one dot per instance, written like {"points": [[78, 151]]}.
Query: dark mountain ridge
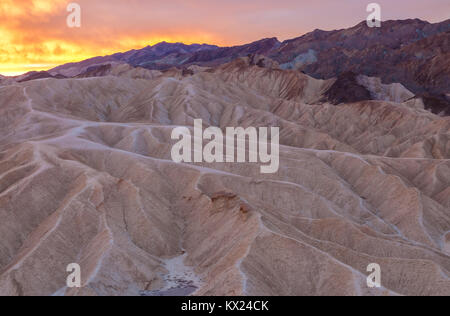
{"points": [[412, 52]]}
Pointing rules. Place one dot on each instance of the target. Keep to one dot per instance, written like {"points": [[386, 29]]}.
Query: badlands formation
{"points": [[86, 177]]}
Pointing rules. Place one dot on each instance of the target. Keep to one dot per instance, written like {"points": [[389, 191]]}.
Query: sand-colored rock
{"points": [[86, 177]]}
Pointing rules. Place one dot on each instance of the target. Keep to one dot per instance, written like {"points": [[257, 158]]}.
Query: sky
{"points": [[34, 34]]}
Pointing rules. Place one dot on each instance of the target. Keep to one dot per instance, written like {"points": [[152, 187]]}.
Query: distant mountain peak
{"points": [[400, 51]]}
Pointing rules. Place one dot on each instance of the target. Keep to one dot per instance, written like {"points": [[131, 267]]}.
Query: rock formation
{"points": [[86, 177]]}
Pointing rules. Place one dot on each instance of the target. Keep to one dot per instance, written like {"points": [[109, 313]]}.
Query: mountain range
{"points": [[412, 52]]}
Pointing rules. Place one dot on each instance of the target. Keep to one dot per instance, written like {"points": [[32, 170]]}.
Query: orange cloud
{"points": [[34, 34]]}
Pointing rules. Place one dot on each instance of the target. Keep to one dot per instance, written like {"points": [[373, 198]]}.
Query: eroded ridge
{"points": [[86, 176]]}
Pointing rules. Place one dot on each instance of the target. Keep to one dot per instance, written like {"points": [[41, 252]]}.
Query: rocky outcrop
{"points": [[414, 53], [120, 70], [437, 104], [347, 89], [34, 75]]}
